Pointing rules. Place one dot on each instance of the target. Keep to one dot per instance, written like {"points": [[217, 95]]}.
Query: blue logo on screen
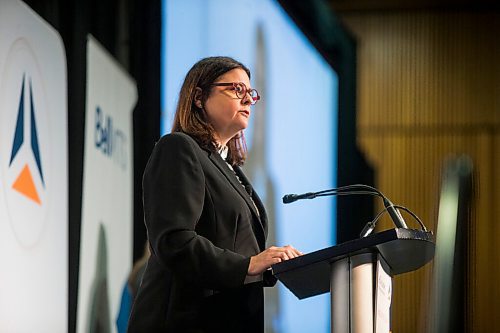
{"points": [[110, 141]]}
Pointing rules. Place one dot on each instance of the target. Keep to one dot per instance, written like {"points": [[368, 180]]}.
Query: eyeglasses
{"points": [[241, 90]]}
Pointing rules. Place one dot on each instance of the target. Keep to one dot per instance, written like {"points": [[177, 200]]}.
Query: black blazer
{"points": [[203, 227]]}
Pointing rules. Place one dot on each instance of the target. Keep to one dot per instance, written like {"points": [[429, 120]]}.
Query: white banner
{"points": [[383, 298], [107, 207], [33, 173]]}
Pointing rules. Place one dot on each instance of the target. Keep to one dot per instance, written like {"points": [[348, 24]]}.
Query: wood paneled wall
{"points": [[429, 88]]}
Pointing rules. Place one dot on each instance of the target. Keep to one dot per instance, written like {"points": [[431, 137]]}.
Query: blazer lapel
{"points": [[229, 174], [231, 177], [260, 206], [254, 195]]}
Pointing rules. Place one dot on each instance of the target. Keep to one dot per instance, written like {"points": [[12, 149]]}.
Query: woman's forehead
{"points": [[235, 75]]}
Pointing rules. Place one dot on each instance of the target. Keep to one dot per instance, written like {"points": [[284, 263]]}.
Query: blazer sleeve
{"points": [[174, 193]]}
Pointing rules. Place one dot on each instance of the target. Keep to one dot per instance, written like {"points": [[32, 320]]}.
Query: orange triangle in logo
{"points": [[24, 184]]}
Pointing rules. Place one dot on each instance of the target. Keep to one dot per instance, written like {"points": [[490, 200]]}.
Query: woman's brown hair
{"points": [[192, 120]]}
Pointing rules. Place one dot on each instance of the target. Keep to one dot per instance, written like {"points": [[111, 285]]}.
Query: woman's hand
{"points": [[271, 256]]}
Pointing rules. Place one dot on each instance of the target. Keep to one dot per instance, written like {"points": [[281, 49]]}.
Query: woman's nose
{"points": [[247, 99]]}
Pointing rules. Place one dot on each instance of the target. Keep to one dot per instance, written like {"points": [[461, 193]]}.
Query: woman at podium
{"points": [[206, 226]]}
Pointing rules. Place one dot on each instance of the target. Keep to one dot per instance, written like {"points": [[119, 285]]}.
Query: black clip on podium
{"points": [[358, 274]]}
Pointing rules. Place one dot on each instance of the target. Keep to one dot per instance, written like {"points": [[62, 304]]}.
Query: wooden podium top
{"points": [[404, 250]]}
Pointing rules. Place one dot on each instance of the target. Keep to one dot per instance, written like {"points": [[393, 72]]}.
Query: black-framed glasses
{"points": [[241, 90]]}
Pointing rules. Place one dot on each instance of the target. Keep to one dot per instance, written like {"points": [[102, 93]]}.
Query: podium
{"points": [[358, 274]]}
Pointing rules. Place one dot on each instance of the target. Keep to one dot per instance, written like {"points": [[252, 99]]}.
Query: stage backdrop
{"points": [[107, 210], [292, 137], [33, 173]]}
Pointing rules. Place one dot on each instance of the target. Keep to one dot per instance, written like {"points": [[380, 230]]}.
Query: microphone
{"points": [[394, 214], [356, 189], [289, 198]]}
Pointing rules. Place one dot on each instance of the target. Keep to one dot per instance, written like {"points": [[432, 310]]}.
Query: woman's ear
{"points": [[197, 98]]}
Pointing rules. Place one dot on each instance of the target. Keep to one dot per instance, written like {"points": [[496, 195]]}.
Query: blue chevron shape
{"points": [[34, 137], [19, 134]]}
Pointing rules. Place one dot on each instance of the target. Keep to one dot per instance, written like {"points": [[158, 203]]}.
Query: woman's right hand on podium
{"points": [[271, 256]]}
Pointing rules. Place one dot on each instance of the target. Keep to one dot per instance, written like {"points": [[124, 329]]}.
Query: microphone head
{"points": [[368, 229], [289, 198]]}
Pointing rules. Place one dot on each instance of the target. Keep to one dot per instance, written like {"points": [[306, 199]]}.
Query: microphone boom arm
{"points": [[357, 189]]}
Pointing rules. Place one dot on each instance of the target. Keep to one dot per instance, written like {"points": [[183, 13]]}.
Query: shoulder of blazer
{"points": [[179, 139]]}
